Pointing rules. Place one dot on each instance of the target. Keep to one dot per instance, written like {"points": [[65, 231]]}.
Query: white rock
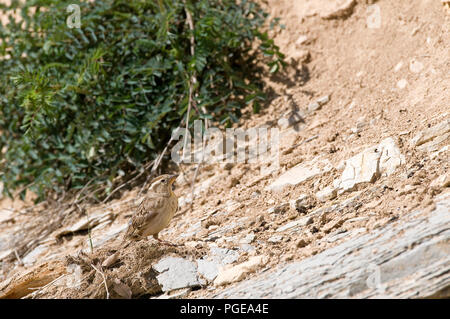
{"points": [[415, 66], [176, 273], [296, 223], [301, 39], [247, 248], [313, 106], [275, 239], [236, 273], [247, 239], [300, 173], [401, 84], [441, 181], [431, 133], [323, 100], [366, 166], [398, 66], [300, 201], [327, 193], [223, 255], [208, 269]]}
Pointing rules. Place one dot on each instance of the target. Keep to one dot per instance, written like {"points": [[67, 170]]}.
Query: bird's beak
{"points": [[173, 178]]}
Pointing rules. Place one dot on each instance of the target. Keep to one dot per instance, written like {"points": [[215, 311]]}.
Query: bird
{"points": [[155, 211]]}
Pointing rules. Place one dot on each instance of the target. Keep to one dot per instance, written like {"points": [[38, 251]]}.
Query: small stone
{"points": [[367, 166], [236, 273], [398, 66], [406, 190], [248, 239], [300, 173], [302, 200], [294, 224], [247, 248], [431, 133], [323, 100], [415, 66], [401, 84], [275, 239], [441, 182], [314, 106], [302, 39], [326, 194], [223, 255], [255, 194], [301, 56]]}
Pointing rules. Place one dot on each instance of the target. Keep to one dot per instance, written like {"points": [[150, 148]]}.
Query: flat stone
{"points": [[275, 239], [367, 166], [208, 269], [209, 266], [224, 255], [247, 248], [176, 273], [441, 182], [431, 133], [314, 106], [323, 100], [326, 194], [236, 273], [294, 224], [249, 238], [6, 215], [300, 173]]}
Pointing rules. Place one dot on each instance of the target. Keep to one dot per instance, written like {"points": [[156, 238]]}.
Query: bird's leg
{"points": [[164, 241]]}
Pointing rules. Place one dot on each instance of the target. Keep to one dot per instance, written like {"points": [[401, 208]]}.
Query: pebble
{"points": [[275, 239], [401, 84], [326, 194]]}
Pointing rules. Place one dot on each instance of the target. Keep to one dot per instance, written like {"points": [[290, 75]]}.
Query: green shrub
{"points": [[96, 102]]}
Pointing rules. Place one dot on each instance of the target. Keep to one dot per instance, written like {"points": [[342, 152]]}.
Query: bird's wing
{"points": [[147, 210]]}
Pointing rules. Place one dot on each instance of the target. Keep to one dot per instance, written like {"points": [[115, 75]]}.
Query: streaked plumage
{"points": [[155, 211]]}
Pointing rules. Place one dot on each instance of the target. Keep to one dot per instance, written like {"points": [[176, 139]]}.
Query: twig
{"points": [[18, 257], [81, 191], [104, 280]]}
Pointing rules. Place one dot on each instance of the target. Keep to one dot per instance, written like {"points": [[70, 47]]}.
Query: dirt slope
{"points": [[364, 113]]}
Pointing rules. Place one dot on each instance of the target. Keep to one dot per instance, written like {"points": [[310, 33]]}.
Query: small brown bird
{"points": [[155, 211]]}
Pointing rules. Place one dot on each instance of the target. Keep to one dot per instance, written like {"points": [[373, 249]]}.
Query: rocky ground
{"points": [[358, 207]]}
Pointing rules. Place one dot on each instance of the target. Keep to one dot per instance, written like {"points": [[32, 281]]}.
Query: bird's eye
{"points": [[163, 180]]}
